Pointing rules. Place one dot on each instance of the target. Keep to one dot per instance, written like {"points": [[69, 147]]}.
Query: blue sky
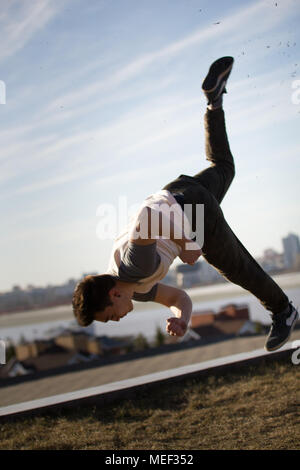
{"points": [[103, 100]]}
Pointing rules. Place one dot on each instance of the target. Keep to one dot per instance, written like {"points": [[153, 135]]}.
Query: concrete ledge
{"points": [[110, 391]]}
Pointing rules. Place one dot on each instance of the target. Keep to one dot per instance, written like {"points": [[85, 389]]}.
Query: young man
{"points": [[141, 257]]}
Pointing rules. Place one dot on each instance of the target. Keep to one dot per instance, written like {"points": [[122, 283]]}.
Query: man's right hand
{"points": [[176, 326], [190, 256]]}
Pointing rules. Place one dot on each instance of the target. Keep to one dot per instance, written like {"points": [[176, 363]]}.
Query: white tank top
{"points": [[166, 248]]}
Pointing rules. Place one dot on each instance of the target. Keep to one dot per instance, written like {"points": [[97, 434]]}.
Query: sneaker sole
{"points": [[209, 84], [286, 340]]}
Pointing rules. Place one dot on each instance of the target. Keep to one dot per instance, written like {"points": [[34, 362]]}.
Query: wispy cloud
{"points": [[261, 17], [92, 114], [19, 21], [115, 138]]}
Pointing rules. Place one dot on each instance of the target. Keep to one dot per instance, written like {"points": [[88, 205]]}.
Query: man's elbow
{"points": [[183, 299]]}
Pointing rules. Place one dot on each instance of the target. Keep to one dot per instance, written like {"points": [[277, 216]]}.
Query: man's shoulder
{"points": [[146, 297]]}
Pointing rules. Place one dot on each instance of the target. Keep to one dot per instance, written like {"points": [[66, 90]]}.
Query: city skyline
{"points": [[103, 100]]}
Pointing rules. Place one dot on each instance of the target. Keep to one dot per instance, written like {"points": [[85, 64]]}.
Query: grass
{"points": [[254, 408]]}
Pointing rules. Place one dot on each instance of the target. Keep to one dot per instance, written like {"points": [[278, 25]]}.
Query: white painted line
{"points": [[136, 381]]}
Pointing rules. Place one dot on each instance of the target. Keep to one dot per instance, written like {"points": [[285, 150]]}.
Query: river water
{"points": [[145, 317]]}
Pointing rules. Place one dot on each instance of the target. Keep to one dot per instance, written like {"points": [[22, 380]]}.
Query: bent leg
{"points": [[218, 177], [225, 252]]}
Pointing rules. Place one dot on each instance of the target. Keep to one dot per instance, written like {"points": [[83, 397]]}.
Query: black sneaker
{"points": [[281, 329], [214, 83]]}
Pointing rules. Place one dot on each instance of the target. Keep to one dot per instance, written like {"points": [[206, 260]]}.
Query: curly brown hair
{"points": [[91, 296]]}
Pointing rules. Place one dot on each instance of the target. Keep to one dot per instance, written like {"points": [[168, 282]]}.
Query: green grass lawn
{"points": [[254, 408]]}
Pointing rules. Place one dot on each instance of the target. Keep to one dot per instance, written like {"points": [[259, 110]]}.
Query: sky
{"points": [[103, 106]]}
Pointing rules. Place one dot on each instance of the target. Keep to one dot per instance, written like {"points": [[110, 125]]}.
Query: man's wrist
{"points": [[185, 320]]}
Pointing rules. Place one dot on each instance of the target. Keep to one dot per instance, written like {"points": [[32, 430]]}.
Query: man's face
{"points": [[122, 304]]}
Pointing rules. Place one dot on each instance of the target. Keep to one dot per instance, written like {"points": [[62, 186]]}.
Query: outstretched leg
{"points": [[225, 252], [217, 177], [222, 248]]}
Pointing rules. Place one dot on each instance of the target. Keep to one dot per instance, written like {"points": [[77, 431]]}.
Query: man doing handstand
{"points": [[139, 261]]}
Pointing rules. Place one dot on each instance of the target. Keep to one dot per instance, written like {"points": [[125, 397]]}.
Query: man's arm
{"points": [[179, 303]]}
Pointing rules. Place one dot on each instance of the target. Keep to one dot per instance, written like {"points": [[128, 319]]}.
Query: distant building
{"points": [[230, 320], [72, 340], [297, 262], [209, 274], [73, 326], [68, 347], [200, 318], [54, 358], [188, 275], [15, 368], [200, 273], [26, 350], [18, 300], [272, 261], [234, 312], [291, 245], [171, 278]]}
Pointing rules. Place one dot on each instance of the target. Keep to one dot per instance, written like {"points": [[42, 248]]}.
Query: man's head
{"points": [[101, 298]]}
